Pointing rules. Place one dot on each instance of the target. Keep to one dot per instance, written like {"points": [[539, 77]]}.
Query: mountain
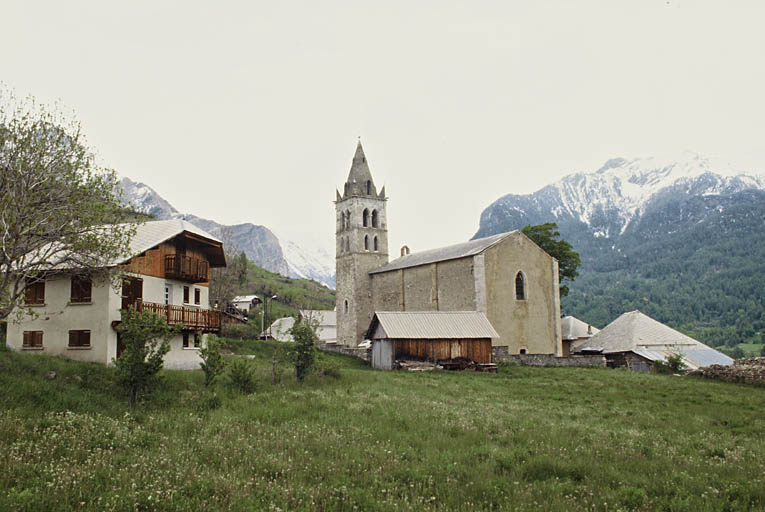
{"points": [[259, 243], [681, 239]]}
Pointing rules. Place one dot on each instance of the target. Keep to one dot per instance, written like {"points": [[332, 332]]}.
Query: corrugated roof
{"points": [[639, 333], [573, 329], [433, 324], [450, 252]]}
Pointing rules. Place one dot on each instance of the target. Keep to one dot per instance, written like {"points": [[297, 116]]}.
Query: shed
{"points": [[430, 336], [635, 341], [574, 332]]}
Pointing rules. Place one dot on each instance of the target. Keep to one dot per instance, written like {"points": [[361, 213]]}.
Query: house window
{"points": [[82, 290], [185, 294], [197, 339], [33, 339], [520, 286], [79, 339], [34, 294], [197, 296], [365, 218], [374, 218], [185, 340]]}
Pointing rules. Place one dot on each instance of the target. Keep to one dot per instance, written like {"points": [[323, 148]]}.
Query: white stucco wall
{"points": [[57, 316]]}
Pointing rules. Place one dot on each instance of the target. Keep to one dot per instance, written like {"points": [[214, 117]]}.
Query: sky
{"points": [[250, 111]]}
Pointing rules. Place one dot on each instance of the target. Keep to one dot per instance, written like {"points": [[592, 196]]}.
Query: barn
{"points": [[437, 336]]}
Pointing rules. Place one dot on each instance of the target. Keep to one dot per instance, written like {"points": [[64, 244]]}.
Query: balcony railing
{"points": [[196, 319], [187, 268]]}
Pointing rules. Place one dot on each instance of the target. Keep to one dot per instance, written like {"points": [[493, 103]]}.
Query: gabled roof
{"points": [[432, 325], [246, 298], [325, 318], [573, 329], [639, 333], [150, 234], [451, 252]]}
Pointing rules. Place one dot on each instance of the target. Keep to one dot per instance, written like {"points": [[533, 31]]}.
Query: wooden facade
{"points": [[184, 258], [477, 350]]}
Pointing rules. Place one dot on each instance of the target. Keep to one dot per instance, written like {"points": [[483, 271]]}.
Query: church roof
{"points": [[432, 325], [451, 252], [573, 329]]}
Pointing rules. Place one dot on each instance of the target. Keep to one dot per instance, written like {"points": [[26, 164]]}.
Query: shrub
{"points": [[145, 336], [241, 377], [240, 331], [212, 360], [303, 350], [673, 364], [328, 370]]}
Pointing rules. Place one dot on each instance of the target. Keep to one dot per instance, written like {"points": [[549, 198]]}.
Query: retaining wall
{"points": [[500, 355], [361, 353]]}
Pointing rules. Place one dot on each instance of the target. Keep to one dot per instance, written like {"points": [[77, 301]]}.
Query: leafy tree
{"points": [[212, 359], [546, 236], [146, 338], [58, 207], [241, 377], [304, 349]]}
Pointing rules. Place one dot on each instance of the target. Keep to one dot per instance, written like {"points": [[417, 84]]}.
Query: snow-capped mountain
{"points": [[259, 243], [612, 198], [683, 240]]}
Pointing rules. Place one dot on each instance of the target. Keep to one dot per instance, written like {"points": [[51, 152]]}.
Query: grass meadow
{"points": [[523, 439]]}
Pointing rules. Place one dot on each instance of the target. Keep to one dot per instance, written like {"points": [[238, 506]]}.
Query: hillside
{"points": [[684, 241], [564, 439]]}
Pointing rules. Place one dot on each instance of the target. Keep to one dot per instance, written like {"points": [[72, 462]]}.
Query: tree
{"points": [[58, 208], [145, 336], [546, 236], [212, 359], [303, 351]]}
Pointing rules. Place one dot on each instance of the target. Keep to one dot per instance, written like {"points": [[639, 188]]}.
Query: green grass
{"points": [[524, 439], [751, 349]]}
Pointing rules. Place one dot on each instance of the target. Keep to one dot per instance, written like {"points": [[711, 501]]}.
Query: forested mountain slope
{"points": [[680, 241]]}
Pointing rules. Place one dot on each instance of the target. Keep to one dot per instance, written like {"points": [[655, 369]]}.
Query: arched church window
{"points": [[520, 286], [375, 244], [369, 187], [374, 218], [347, 245], [365, 218], [345, 306], [366, 242], [348, 219]]}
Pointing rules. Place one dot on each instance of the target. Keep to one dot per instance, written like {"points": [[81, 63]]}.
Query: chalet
{"points": [[246, 303], [167, 272], [635, 340]]}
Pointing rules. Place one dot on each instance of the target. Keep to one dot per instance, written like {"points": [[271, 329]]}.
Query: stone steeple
{"points": [[361, 234], [359, 182]]}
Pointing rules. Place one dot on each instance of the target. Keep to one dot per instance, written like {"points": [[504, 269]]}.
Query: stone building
{"points": [[506, 276]]}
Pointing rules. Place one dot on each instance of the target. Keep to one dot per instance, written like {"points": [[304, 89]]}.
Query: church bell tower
{"points": [[361, 245]]}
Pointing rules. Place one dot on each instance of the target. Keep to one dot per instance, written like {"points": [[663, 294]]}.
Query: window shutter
{"points": [[38, 341], [27, 339]]}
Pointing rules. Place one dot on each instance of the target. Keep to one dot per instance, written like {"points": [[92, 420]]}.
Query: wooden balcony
{"points": [[186, 268], [193, 319]]}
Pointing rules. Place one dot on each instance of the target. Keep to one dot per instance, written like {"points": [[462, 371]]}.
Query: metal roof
{"points": [[151, 234], [245, 298], [641, 334], [432, 325], [450, 252], [692, 357], [573, 329]]}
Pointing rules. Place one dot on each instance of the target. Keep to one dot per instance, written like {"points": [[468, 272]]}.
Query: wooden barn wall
{"points": [[477, 350]]}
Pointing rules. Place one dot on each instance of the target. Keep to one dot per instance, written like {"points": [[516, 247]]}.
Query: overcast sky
{"points": [[250, 111]]}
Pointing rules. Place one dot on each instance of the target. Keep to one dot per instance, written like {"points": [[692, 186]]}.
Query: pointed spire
{"points": [[360, 182]]}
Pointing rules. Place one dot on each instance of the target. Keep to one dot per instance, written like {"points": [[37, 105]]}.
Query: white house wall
{"points": [[58, 316]]}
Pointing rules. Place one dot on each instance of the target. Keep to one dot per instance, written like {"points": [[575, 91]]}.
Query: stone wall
{"points": [[501, 355], [361, 353]]}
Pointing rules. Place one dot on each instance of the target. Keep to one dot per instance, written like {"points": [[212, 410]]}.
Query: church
{"points": [[505, 278]]}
